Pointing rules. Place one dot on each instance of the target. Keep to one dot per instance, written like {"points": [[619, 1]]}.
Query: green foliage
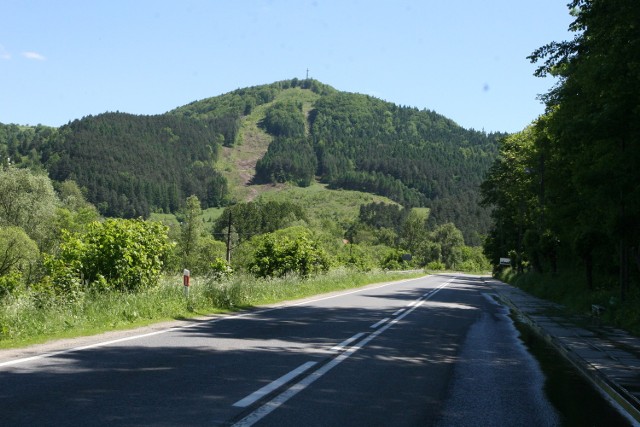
{"points": [[414, 231], [358, 257], [18, 253], [19, 145], [28, 201], [394, 261], [287, 160], [11, 284], [250, 219], [75, 220], [565, 190], [324, 209], [417, 158], [191, 231], [379, 183], [451, 244], [129, 254], [220, 269], [292, 251], [131, 165], [119, 254], [474, 260], [71, 195], [285, 119], [383, 215], [289, 157], [428, 251], [65, 269], [75, 212], [241, 102], [436, 266]]}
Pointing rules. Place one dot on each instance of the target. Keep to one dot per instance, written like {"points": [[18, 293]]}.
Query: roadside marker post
{"points": [[186, 282]]}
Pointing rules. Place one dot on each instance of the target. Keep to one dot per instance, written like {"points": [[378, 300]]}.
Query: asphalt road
{"points": [[431, 351]]}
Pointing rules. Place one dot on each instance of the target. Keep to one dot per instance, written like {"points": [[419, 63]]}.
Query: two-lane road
{"points": [[431, 351]]}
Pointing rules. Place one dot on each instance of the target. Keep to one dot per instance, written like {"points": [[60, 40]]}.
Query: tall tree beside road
{"points": [[28, 201], [19, 256], [191, 230], [595, 123], [575, 191], [508, 189]]}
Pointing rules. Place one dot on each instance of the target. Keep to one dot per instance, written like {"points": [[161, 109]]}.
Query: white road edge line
{"points": [[178, 328], [274, 385], [283, 397], [87, 347], [348, 341]]}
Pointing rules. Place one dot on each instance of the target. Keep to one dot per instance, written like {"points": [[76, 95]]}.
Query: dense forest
{"points": [[565, 191], [130, 166], [417, 158]]}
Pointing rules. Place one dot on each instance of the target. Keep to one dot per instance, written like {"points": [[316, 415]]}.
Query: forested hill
{"points": [[358, 142], [132, 165], [129, 165]]}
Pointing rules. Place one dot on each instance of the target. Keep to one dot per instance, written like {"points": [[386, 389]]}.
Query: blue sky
{"points": [[466, 59]]}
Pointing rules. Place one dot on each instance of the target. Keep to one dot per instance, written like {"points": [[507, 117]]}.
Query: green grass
{"points": [[321, 203], [28, 320], [211, 214], [167, 219]]}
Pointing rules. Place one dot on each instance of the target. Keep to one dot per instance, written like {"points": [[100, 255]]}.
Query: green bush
{"points": [[356, 256], [288, 251], [436, 266], [120, 254], [10, 284], [219, 269], [129, 254], [394, 261], [19, 256]]}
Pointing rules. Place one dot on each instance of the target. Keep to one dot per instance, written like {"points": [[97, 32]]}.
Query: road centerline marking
{"points": [[376, 325], [348, 341], [273, 385], [296, 388]]}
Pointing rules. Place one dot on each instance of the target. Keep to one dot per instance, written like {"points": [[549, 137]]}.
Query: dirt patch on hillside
{"points": [[242, 159]]}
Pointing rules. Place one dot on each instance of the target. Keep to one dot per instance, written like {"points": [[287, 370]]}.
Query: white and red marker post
{"points": [[186, 282]]}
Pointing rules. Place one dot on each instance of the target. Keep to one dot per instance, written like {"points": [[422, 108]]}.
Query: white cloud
{"points": [[3, 53], [34, 55]]}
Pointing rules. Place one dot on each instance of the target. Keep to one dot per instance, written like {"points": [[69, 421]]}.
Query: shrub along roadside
{"points": [[25, 321]]}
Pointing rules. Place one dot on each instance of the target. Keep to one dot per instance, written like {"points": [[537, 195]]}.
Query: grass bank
{"points": [[29, 319]]}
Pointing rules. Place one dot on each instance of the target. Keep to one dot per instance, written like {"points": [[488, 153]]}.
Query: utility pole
{"points": [[307, 74]]}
